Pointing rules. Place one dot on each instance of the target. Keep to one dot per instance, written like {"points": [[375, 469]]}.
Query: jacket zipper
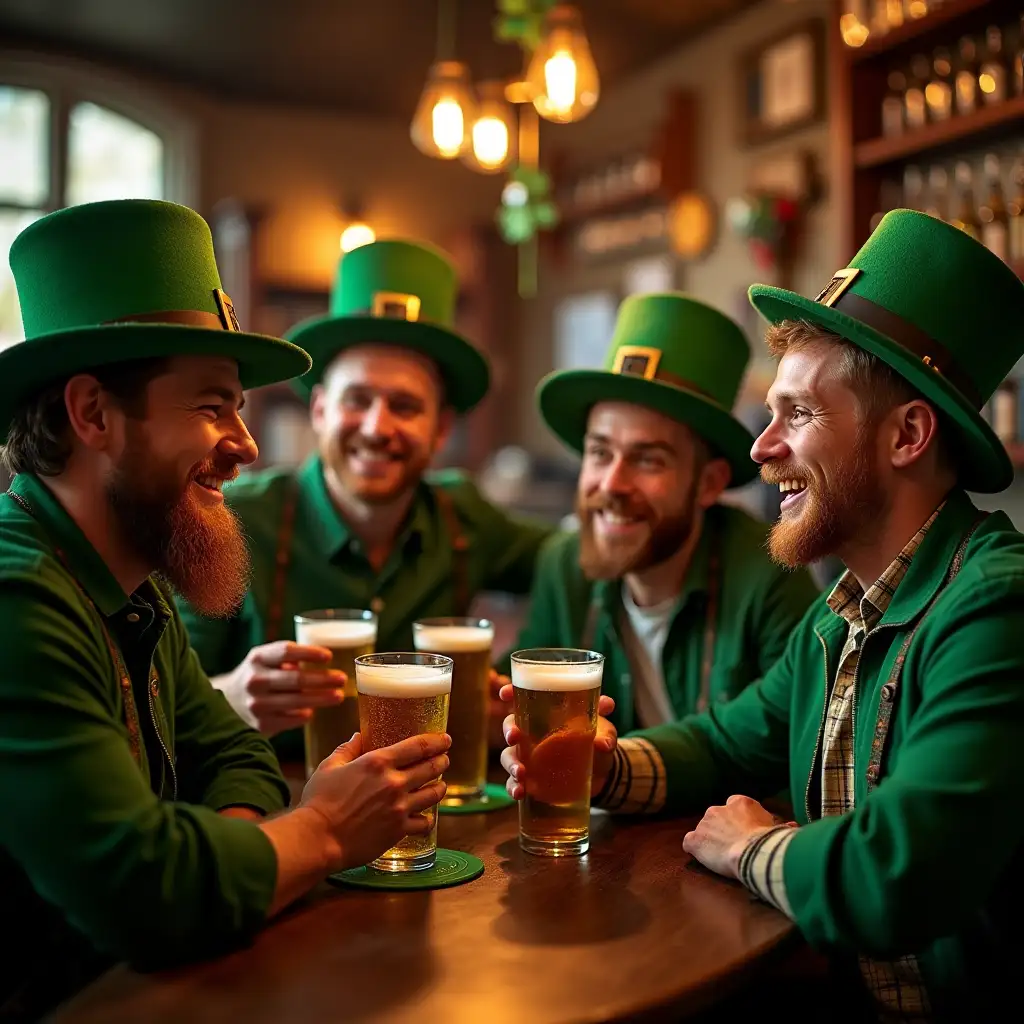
{"points": [[163, 745], [821, 731]]}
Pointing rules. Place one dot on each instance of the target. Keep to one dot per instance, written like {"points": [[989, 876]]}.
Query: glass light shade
{"points": [[355, 235], [444, 115], [492, 133], [562, 74]]}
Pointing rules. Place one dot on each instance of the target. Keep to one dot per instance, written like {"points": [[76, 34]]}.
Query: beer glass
{"points": [[467, 642], [403, 695], [555, 704], [346, 633]]}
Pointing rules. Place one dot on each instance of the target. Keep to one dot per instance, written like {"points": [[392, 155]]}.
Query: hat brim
{"points": [[463, 369], [566, 397], [29, 365], [984, 464]]}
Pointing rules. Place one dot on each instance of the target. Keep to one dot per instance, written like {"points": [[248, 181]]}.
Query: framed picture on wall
{"points": [[782, 83]]}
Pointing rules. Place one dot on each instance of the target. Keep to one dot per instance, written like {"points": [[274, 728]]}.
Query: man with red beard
{"points": [[362, 525], [676, 590], [133, 796], [898, 705]]}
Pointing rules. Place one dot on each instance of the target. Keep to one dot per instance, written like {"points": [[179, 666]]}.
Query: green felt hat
{"points": [[669, 353], [396, 293], [941, 310], [130, 279]]}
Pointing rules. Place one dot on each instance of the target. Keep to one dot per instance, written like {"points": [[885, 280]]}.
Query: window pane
{"points": [[12, 222], [24, 146], [112, 157]]}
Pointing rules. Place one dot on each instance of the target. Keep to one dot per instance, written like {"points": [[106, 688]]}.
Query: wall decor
{"points": [[782, 83]]}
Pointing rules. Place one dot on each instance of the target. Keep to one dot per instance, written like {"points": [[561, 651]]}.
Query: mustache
{"points": [[612, 503], [221, 468], [773, 473]]}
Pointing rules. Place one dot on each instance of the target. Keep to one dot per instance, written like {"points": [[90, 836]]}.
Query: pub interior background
{"points": [[732, 142]]}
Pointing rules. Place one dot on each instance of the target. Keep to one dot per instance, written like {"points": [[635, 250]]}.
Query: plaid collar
{"points": [[862, 608]]}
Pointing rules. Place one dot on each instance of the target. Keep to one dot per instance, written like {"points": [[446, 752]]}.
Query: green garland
{"points": [[521, 21]]}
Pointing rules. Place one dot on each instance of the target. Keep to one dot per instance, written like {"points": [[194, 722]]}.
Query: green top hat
{"points": [[941, 310], [396, 293], [669, 353], [129, 279]]}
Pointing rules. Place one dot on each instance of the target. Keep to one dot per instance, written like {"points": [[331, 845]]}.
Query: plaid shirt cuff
{"points": [[760, 867], [636, 783]]}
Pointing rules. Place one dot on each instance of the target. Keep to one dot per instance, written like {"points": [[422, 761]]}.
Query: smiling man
{"points": [[675, 589], [362, 524], [898, 705], [133, 796]]}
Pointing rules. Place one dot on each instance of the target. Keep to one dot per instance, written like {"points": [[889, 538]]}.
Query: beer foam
{"points": [[336, 633], [556, 676], [402, 680], [453, 639]]}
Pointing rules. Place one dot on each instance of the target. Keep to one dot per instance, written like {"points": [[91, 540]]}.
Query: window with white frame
{"points": [[70, 136]]}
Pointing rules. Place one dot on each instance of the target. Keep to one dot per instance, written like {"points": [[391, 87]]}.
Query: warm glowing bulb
{"points": [[560, 81], [854, 32], [448, 126], [987, 82], [490, 142], [356, 235]]}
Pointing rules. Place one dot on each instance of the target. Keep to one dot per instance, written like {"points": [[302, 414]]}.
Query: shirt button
{"points": [[132, 617]]}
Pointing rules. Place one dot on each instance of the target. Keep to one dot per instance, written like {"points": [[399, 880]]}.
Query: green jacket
{"points": [[932, 861], [103, 856], [328, 569], [759, 606]]}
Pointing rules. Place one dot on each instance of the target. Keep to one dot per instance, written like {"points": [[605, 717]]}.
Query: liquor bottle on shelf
{"points": [[913, 188], [892, 105], [894, 13], [995, 228], [1018, 62], [915, 110], [938, 193], [1016, 216], [888, 199], [880, 17], [967, 77], [966, 218], [938, 92], [992, 73]]}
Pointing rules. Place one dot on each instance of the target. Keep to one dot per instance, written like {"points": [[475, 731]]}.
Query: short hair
{"points": [[38, 439]]}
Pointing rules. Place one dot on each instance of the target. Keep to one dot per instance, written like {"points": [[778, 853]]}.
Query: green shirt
{"points": [[759, 604], [328, 567], [931, 862], [104, 856]]}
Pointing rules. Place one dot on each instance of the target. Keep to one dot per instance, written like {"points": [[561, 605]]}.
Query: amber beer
{"points": [[468, 643], [555, 705], [403, 695], [347, 633]]}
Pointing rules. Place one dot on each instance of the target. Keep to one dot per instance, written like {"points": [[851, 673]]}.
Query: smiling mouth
{"points": [[210, 483], [791, 490]]}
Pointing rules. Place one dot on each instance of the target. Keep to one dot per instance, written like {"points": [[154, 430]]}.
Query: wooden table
{"points": [[634, 930]]}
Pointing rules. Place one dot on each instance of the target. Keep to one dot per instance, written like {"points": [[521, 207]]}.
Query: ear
{"points": [[912, 430], [445, 425], [714, 478], [93, 414]]}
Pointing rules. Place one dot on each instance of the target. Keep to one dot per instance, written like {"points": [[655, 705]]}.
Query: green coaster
{"points": [[452, 867], [495, 798]]}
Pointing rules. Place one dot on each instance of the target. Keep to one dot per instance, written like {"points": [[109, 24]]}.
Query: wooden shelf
{"points": [[876, 152], [911, 30]]}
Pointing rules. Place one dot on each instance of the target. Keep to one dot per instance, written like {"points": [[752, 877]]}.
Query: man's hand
{"points": [[721, 837], [271, 693], [371, 801], [604, 747], [496, 712]]}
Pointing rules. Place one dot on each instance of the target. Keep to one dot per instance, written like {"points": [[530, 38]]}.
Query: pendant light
{"points": [[562, 74], [492, 135]]}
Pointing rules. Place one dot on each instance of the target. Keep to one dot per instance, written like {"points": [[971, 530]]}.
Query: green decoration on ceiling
{"points": [[521, 21], [526, 205]]}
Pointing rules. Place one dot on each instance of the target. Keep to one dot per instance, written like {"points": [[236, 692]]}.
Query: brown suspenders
{"points": [[710, 622], [891, 688], [283, 555]]}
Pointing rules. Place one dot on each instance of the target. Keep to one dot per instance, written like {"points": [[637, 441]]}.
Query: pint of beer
{"points": [[347, 633], [555, 705], [468, 643], [403, 695]]}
